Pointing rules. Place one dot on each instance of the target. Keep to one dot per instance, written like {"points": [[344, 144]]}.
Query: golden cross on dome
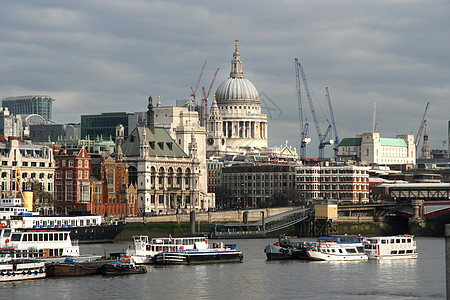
{"points": [[236, 40]]}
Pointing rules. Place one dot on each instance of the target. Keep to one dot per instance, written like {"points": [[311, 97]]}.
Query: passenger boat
{"points": [[391, 247], [72, 267], [201, 254], [121, 268], [15, 270], [83, 226], [143, 252], [338, 248], [286, 249], [43, 245]]}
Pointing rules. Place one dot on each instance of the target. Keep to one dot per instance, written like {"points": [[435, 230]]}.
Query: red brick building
{"points": [[111, 193], [72, 180]]}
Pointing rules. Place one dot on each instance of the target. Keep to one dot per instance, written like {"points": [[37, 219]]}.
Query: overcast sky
{"points": [[109, 55]]}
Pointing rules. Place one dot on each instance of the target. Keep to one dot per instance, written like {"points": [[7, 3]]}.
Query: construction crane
{"points": [[336, 137], [374, 115], [206, 95], [194, 91], [304, 126], [422, 125], [322, 137]]}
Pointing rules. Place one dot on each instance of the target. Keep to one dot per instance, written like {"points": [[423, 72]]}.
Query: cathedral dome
{"points": [[236, 88]]}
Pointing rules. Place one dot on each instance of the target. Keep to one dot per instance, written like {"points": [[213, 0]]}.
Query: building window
{"points": [[70, 163], [63, 162], [69, 174], [86, 164], [86, 174], [69, 192], [58, 174]]}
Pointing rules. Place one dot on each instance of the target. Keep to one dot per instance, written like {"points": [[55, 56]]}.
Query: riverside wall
{"points": [[226, 216]]}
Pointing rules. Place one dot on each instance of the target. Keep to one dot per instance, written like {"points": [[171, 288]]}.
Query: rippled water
{"points": [[254, 278]]}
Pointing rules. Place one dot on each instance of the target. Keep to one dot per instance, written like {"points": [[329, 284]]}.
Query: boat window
{"points": [[394, 252], [50, 237], [403, 240], [392, 241], [340, 250], [409, 251], [41, 237], [61, 235], [328, 250], [25, 236], [409, 240], [401, 251], [46, 237], [350, 250], [383, 241], [65, 236], [332, 250], [360, 249], [35, 237], [15, 237]]}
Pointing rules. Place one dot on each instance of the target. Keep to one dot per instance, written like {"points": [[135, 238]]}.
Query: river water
{"points": [[254, 278]]}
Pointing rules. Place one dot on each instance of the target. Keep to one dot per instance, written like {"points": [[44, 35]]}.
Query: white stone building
{"points": [[373, 149], [33, 163], [166, 177]]}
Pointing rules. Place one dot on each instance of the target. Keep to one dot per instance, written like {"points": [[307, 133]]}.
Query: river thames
{"points": [[254, 278]]}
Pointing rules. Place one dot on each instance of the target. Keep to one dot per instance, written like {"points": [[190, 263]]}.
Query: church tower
{"points": [[426, 153]]}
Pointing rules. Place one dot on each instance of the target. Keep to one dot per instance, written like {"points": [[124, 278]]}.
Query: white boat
{"points": [[83, 227], [15, 270], [391, 247], [338, 248], [143, 252], [201, 254], [48, 245]]}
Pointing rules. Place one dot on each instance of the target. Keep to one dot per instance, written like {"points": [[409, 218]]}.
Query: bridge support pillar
{"points": [[417, 205], [417, 222], [324, 227]]}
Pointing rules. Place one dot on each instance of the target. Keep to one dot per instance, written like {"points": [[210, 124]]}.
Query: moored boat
{"points": [[70, 267], [286, 249], [391, 247], [48, 244], [15, 270], [83, 227], [121, 268], [143, 251], [338, 248], [201, 254]]}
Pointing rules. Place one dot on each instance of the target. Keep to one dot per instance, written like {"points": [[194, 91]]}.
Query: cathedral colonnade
{"points": [[245, 129]]}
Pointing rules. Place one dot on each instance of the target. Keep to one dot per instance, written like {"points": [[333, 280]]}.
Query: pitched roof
{"points": [[350, 142], [160, 142], [393, 142]]}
